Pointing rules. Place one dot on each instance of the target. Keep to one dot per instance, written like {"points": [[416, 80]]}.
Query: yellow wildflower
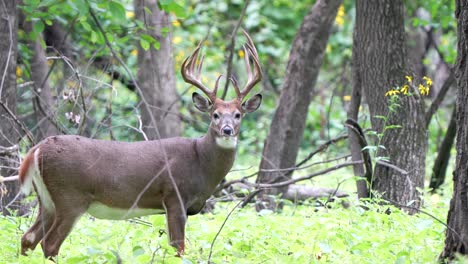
{"points": [[339, 20], [177, 40], [130, 14], [409, 78], [428, 80], [176, 23], [347, 98], [423, 90], [392, 92], [404, 89], [134, 52], [241, 53], [19, 72]]}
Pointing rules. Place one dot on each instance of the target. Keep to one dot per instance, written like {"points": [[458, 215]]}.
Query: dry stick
{"points": [[392, 166], [143, 99], [9, 179], [221, 228], [17, 121], [243, 179], [307, 177], [354, 126], [321, 148], [231, 48]]}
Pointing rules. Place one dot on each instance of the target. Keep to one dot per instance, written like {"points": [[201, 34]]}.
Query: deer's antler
{"points": [[191, 71], [253, 77]]}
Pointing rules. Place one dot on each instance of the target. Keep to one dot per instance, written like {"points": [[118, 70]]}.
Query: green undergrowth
{"points": [[299, 234]]}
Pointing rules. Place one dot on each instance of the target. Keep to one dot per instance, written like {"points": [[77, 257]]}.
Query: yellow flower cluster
{"points": [[424, 88], [339, 20]]}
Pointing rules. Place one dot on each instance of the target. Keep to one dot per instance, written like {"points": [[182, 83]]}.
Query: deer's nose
{"points": [[228, 131]]}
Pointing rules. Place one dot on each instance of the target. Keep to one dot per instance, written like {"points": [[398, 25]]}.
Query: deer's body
{"points": [[118, 180], [99, 170]]}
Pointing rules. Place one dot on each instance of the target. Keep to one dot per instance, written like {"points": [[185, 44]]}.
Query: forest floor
{"points": [[340, 232]]}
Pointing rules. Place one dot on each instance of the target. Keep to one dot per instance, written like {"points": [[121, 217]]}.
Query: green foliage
{"points": [[300, 234]]}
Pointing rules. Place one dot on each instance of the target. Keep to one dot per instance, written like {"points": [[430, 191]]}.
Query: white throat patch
{"points": [[227, 142]]}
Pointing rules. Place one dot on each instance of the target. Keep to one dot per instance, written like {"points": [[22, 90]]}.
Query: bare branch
{"points": [[391, 166], [307, 177], [9, 179], [17, 121]]}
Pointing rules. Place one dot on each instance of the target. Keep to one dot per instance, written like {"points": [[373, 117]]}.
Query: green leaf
{"points": [[38, 26], [156, 45], [94, 37], [147, 10], [173, 7], [138, 250], [117, 11], [144, 44]]}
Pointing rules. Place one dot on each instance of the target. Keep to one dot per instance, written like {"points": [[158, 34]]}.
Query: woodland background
{"points": [[372, 88]]}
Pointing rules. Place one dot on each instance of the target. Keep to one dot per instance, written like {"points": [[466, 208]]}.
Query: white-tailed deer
{"points": [[118, 180]]}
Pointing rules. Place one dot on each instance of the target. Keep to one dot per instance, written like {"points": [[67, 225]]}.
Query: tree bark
{"points": [[456, 240], [43, 101], [9, 135], [379, 58], [156, 75], [443, 156], [305, 59]]}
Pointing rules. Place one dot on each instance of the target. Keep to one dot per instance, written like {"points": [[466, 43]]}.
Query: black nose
{"points": [[227, 131]]}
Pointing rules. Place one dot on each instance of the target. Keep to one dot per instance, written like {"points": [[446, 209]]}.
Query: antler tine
{"points": [[236, 87], [256, 76], [191, 72]]}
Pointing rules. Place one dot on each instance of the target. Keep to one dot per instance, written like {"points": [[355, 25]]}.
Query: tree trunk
{"points": [[440, 165], [9, 135], [456, 240], [156, 75], [379, 58], [43, 102], [305, 59]]}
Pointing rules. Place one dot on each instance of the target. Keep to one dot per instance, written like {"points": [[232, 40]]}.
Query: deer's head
{"points": [[225, 116]]}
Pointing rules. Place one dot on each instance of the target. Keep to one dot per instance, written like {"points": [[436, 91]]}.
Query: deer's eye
{"points": [[215, 116], [237, 116]]}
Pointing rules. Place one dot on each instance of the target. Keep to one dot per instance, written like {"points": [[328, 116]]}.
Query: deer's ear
{"points": [[201, 103], [252, 104]]}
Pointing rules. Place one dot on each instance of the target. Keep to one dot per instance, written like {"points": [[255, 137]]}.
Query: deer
{"points": [[73, 175]]}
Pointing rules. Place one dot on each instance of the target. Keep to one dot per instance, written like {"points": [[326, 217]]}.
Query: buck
{"points": [[118, 180]]}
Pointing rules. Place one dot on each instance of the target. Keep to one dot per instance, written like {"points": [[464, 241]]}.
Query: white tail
{"points": [[118, 180]]}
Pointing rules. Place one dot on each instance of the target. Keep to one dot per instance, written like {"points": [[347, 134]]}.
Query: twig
{"points": [[321, 148], [221, 228], [231, 48], [9, 179], [307, 177], [243, 179], [21, 124], [8, 150], [391, 166]]}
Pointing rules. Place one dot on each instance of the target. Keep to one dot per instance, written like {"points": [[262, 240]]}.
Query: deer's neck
{"points": [[215, 159]]}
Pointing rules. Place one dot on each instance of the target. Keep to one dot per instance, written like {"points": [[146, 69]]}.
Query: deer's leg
{"points": [[65, 218], [176, 217], [38, 230]]}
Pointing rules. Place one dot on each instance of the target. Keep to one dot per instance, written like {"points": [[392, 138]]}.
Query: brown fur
{"points": [[25, 165]]}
